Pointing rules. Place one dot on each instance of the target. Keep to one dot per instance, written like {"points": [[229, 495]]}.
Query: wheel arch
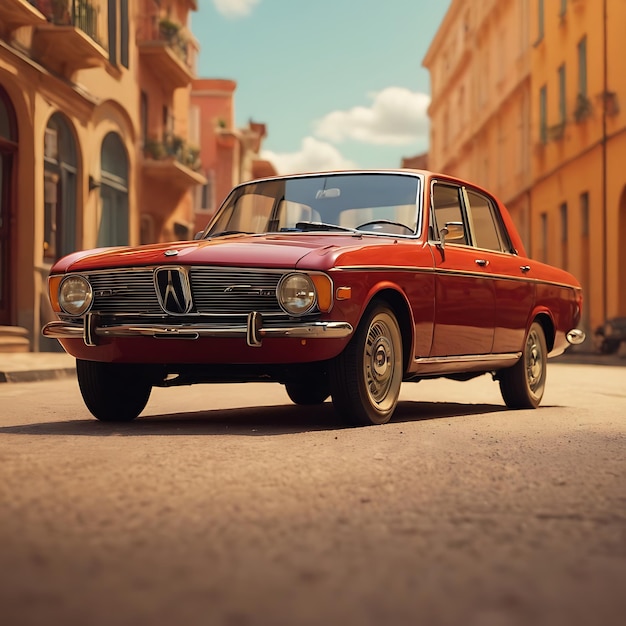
{"points": [[547, 325], [401, 309]]}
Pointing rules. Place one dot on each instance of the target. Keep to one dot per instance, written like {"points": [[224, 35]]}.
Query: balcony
{"points": [[69, 40], [173, 162], [168, 51], [17, 13]]}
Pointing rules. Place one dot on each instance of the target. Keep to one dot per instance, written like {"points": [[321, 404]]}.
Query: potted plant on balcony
{"points": [[154, 149], [168, 29]]}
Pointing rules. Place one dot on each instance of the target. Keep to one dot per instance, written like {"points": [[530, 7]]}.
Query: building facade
{"points": [[479, 64], [579, 147], [95, 148], [526, 101], [229, 155]]}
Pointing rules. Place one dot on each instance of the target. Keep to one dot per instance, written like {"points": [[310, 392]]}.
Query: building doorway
{"points": [[8, 152]]}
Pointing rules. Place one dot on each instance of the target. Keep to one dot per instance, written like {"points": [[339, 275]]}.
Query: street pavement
{"points": [[226, 505]]}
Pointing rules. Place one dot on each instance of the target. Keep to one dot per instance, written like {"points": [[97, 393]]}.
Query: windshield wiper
{"points": [[224, 233], [314, 226]]}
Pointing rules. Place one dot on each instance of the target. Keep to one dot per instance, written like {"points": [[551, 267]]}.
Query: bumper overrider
{"points": [[253, 331]]}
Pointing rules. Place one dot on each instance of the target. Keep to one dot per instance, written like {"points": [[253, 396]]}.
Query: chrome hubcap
{"points": [[379, 361], [534, 361]]}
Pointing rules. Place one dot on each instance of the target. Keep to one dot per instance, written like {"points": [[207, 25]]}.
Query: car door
{"points": [[464, 290], [514, 292]]}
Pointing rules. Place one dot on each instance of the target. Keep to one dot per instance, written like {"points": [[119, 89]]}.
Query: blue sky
{"points": [[338, 83]]}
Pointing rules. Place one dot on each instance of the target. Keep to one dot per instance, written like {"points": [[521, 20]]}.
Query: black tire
{"points": [[522, 385], [308, 393], [113, 392], [365, 378]]}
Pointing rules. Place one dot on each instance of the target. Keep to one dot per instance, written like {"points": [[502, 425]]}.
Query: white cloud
{"points": [[396, 117], [235, 8], [313, 156]]}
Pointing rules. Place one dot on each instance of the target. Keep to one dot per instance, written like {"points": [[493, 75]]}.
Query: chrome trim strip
{"points": [[437, 270], [468, 358], [311, 330]]}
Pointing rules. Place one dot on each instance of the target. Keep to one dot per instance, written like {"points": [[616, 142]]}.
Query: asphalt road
{"points": [[227, 505]]}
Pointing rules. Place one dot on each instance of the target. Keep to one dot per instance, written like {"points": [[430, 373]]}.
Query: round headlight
{"points": [[296, 294], [75, 295]]}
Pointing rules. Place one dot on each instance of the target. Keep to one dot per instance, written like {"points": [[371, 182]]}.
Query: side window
{"points": [[447, 209], [488, 232]]}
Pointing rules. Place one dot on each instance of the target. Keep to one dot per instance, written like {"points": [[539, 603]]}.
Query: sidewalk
{"points": [[35, 366], [22, 367]]}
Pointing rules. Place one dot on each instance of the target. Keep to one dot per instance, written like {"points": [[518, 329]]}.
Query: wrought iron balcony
{"points": [[70, 39], [169, 50], [174, 161]]}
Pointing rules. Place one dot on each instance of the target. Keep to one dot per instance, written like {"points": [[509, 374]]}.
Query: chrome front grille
{"points": [[229, 291], [215, 291], [125, 291]]}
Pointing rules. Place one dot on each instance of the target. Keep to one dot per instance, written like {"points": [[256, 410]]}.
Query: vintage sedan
{"points": [[336, 284]]}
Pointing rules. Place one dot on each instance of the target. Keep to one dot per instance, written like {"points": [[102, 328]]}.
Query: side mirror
{"points": [[198, 235], [452, 231]]}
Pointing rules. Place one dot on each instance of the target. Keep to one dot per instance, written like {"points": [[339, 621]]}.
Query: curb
{"points": [[33, 376]]}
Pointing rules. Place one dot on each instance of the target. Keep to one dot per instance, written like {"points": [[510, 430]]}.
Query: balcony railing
{"points": [[69, 40], [81, 14], [173, 161], [175, 147], [169, 49]]}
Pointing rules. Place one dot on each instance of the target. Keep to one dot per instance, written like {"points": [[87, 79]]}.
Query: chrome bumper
{"points": [[253, 331]]}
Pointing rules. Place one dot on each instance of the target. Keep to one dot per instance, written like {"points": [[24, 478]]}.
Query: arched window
{"points": [[113, 230], [8, 150], [60, 181]]}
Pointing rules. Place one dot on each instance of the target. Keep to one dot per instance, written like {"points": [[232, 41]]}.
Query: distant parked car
{"points": [[609, 336], [340, 284]]}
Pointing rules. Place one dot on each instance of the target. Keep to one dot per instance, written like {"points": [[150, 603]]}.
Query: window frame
{"points": [[465, 206]]}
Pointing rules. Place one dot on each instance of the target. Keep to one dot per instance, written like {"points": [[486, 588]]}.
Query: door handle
{"points": [[481, 262], [525, 268]]}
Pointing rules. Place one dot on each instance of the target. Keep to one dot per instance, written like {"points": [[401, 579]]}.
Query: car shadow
{"points": [[250, 421]]}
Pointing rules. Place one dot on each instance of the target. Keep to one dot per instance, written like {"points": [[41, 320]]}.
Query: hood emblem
{"points": [[173, 289], [171, 253]]}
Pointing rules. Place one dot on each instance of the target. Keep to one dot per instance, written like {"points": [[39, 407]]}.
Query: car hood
{"points": [[271, 251]]}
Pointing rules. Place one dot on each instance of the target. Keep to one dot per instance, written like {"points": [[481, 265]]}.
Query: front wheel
{"points": [[366, 377], [522, 385], [113, 392]]}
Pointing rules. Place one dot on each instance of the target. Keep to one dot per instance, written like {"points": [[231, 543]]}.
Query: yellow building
{"points": [[94, 145], [479, 64], [579, 147], [526, 101]]}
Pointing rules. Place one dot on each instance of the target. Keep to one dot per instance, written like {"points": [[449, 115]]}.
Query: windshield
{"points": [[371, 202]]}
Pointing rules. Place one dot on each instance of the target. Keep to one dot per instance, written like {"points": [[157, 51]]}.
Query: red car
{"points": [[340, 284]]}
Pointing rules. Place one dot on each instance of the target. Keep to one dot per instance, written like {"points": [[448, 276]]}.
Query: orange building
{"points": [[94, 139], [579, 147], [229, 155], [525, 100], [479, 64]]}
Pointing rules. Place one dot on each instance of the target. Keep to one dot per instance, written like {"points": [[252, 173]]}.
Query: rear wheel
{"points": [[522, 385], [314, 391], [113, 392], [366, 377]]}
